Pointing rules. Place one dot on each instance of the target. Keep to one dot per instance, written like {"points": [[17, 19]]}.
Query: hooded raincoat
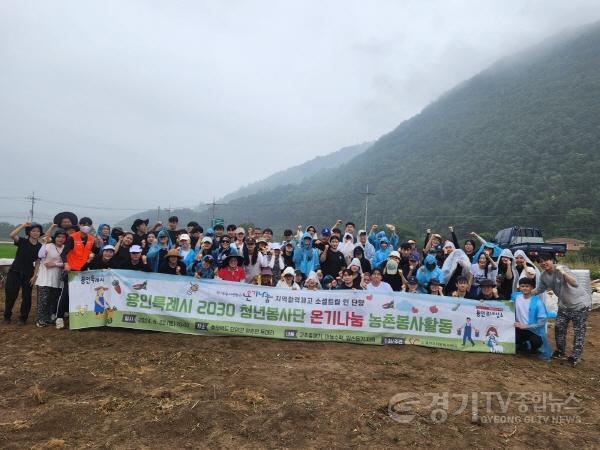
{"points": [[537, 323], [505, 286], [109, 240], [456, 264], [425, 275], [517, 273], [375, 239], [381, 254], [154, 253], [496, 250], [306, 257]]}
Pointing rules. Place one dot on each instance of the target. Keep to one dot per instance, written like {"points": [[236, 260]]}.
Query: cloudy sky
{"points": [[135, 104]]}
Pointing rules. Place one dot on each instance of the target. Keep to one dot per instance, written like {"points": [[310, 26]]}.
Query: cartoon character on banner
{"points": [[101, 306], [100, 302], [466, 330], [492, 340], [193, 288]]}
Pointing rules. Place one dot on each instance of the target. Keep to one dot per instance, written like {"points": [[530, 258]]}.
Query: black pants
{"points": [[523, 336], [16, 281], [63, 301]]}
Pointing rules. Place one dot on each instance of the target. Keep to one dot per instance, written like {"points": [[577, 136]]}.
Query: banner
{"points": [[178, 304]]}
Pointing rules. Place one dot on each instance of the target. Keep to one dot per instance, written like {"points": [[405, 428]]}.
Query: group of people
{"points": [[340, 257]]}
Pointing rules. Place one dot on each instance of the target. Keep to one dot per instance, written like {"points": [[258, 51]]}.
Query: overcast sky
{"points": [[144, 103]]}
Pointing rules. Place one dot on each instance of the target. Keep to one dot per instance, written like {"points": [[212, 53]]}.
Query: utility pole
{"points": [[158, 214], [366, 194], [33, 198], [213, 206]]}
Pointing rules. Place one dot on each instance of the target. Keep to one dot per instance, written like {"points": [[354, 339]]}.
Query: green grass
{"points": [[577, 261], [7, 250]]}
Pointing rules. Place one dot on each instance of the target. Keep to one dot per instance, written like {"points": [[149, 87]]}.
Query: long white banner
{"points": [[178, 304]]}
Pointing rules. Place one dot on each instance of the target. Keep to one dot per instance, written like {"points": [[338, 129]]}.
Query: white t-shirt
{"points": [[383, 287], [479, 274], [522, 309], [49, 276]]}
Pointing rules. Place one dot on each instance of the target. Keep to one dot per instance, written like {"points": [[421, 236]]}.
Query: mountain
{"points": [[519, 143], [299, 173], [293, 175]]}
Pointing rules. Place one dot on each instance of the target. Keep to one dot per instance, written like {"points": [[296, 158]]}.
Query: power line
{"points": [[337, 199], [13, 198], [76, 205], [104, 208]]}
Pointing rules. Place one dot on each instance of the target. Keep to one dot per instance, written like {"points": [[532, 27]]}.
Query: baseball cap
{"points": [[412, 280], [325, 232], [391, 266], [288, 271], [207, 239], [108, 247], [135, 249]]}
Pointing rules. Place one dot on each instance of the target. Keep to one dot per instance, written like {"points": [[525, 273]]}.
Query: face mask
{"points": [[85, 229]]}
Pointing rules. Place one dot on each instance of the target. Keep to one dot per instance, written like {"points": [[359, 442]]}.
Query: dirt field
{"points": [[128, 389]]}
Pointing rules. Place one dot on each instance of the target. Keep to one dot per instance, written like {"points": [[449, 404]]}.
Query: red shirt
{"points": [[238, 275]]}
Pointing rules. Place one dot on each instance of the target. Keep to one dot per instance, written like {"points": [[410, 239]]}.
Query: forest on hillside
{"points": [[518, 143]]}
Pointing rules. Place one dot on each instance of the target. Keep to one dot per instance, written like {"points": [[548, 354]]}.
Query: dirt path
{"points": [[127, 389]]}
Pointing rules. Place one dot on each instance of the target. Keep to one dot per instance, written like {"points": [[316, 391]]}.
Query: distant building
{"points": [[573, 245]]}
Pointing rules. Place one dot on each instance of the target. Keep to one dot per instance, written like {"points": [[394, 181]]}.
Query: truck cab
{"points": [[528, 239]]}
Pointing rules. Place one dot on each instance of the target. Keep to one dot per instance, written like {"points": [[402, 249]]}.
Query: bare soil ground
{"points": [[110, 388]]}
